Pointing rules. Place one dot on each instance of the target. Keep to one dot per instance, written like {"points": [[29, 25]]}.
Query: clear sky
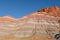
{"points": [[20, 8]]}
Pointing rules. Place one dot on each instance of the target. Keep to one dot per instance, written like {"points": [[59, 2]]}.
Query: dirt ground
{"points": [[33, 37]]}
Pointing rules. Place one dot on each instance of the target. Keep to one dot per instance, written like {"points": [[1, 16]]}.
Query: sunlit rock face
{"points": [[41, 25]]}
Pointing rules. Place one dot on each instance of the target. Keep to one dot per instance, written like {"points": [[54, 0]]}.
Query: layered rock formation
{"points": [[41, 25]]}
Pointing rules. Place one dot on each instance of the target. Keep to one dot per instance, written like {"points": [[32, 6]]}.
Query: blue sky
{"points": [[20, 8]]}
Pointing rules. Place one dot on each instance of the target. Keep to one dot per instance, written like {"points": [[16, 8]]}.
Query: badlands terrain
{"points": [[41, 25]]}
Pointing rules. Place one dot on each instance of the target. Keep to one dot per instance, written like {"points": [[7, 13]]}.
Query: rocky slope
{"points": [[41, 25]]}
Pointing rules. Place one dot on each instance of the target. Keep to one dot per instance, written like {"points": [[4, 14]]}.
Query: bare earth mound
{"points": [[41, 25]]}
